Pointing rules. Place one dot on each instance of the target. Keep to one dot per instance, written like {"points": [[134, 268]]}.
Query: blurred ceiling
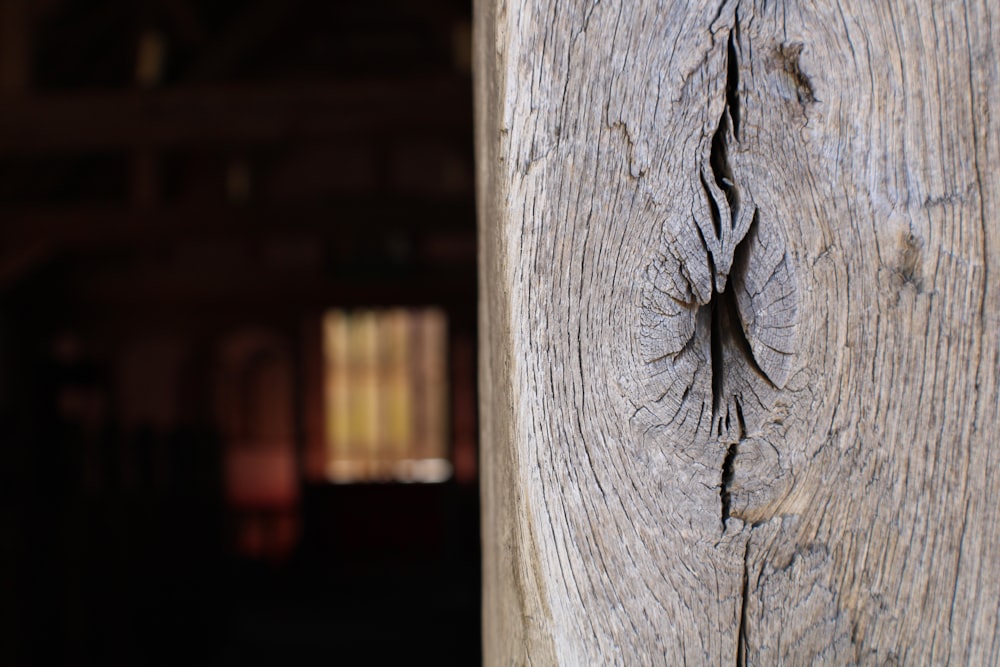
{"points": [[175, 151]]}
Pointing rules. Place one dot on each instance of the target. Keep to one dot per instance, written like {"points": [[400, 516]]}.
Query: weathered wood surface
{"points": [[740, 310]]}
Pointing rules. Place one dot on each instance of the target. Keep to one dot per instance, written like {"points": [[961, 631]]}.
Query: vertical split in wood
{"points": [[728, 471], [741, 631], [728, 244]]}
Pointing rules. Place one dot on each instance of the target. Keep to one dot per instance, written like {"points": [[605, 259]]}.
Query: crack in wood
{"points": [[724, 310], [718, 161], [725, 486], [733, 80], [727, 479], [741, 638], [718, 360], [727, 332], [719, 315]]}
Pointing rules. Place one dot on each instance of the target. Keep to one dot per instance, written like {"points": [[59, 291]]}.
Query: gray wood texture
{"points": [[740, 304]]}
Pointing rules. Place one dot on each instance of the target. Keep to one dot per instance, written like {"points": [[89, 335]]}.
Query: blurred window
{"points": [[385, 395]]}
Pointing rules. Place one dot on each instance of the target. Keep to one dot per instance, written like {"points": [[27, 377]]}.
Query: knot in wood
{"points": [[719, 314]]}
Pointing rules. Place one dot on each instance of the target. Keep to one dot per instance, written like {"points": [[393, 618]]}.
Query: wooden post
{"points": [[740, 322]]}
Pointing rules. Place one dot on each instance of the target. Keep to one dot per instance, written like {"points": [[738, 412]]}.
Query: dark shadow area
{"points": [[237, 333]]}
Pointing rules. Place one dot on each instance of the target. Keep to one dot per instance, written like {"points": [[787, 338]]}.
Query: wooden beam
{"points": [[84, 227], [434, 231], [122, 295], [228, 114], [741, 331]]}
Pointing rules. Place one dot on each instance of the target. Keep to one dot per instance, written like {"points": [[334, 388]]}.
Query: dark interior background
{"points": [[176, 175]]}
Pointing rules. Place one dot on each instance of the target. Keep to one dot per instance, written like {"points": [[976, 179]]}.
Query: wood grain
{"points": [[739, 331]]}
